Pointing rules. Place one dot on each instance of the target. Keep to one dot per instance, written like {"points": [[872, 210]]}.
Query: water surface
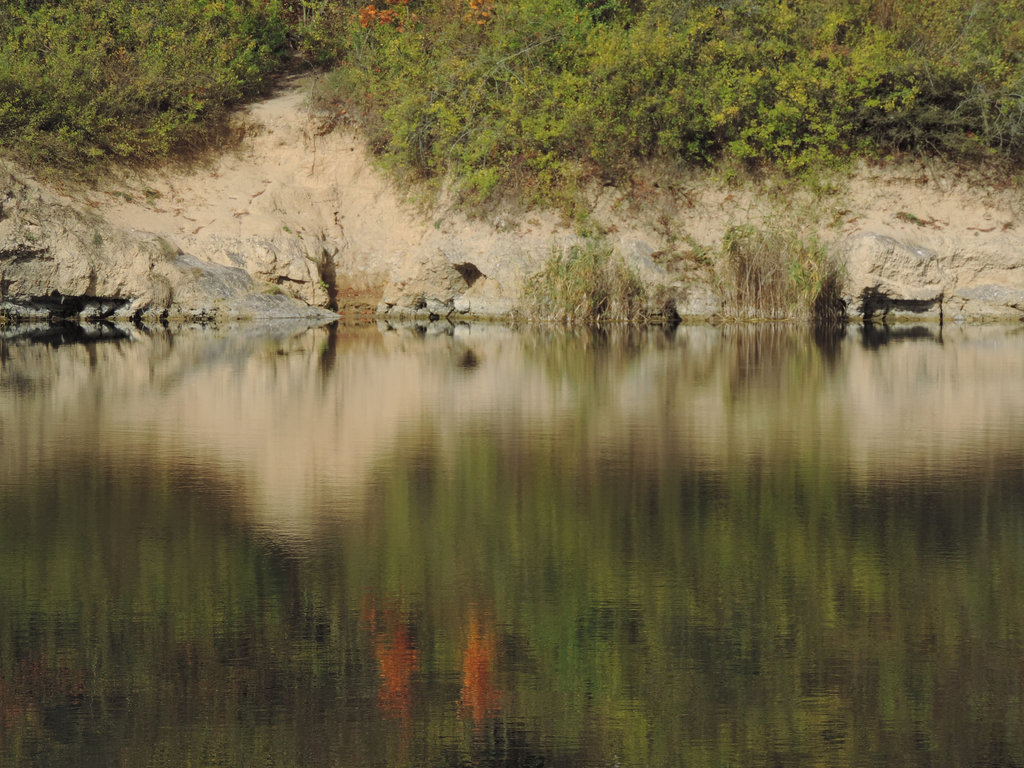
{"points": [[705, 546]]}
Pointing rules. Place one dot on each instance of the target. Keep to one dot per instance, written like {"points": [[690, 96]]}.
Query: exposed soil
{"points": [[293, 176]]}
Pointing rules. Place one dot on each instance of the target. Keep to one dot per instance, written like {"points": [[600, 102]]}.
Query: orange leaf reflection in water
{"points": [[397, 658], [480, 697]]}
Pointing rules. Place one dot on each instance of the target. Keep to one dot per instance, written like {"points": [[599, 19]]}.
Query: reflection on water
{"points": [[704, 546]]}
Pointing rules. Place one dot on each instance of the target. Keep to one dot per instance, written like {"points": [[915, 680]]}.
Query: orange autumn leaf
{"points": [[367, 15], [479, 11]]}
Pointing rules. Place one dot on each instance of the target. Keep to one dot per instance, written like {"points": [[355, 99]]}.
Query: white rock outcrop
{"points": [[949, 279], [58, 261]]}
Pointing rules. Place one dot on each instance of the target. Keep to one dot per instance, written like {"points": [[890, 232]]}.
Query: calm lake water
{"points": [[735, 546]]}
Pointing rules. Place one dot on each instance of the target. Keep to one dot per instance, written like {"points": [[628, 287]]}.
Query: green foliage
{"points": [[93, 79], [546, 93], [586, 284], [537, 97]]}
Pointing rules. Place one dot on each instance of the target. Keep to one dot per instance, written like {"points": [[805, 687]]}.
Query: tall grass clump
{"points": [[776, 274], [586, 284]]}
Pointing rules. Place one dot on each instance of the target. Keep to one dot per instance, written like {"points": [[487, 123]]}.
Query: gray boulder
{"points": [[285, 262]]}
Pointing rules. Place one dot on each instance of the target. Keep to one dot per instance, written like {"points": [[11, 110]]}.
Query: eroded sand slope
{"points": [[306, 211]]}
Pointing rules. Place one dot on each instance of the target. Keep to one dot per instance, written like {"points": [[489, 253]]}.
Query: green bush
{"points": [[544, 93], [536, 97], [87, 80]]}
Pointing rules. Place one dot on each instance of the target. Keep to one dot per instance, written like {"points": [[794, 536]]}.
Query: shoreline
{"points": [[296, 221]]}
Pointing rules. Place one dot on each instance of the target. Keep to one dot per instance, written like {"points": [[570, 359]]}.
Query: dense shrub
{"points": [[529, 95], [85, 80], [537, 94]]}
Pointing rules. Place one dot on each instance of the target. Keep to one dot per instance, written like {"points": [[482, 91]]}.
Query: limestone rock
{"points": [[985, 302], [60, 262], [698, 301], [485, 298], [427, 285], [284, 261], [888, 279]]}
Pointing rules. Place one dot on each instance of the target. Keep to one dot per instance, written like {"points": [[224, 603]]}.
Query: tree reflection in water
{"points": [[727, 547], [480, 696], [397, 658]]}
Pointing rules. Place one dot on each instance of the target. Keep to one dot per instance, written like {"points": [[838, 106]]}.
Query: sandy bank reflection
{"points": [[302, 423]]}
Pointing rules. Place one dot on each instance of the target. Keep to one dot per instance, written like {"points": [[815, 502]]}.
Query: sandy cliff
{"points": [[299, 215]]}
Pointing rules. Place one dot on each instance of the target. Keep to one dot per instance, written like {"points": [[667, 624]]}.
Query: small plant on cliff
{"points": [[586, 284], [775, 273]]}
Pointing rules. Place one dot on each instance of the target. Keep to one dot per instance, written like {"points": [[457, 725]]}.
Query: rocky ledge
{"points": [[60, 262], [63, 261], [940, 278]]}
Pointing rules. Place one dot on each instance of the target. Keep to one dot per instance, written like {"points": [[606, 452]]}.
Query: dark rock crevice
{"points": [[23, 254], [470, 273], [59, 307], [329, 277]]}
